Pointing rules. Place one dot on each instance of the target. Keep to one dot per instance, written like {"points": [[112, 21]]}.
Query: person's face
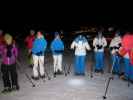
{"points": [[80, 36], [32, 32], [39, 34], [116, 35], [57, 37], [99, 35]]}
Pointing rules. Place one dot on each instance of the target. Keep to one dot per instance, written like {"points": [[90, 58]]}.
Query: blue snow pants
{"points": [[99, 60], [116, 61], [79, 67], [128, 70]]}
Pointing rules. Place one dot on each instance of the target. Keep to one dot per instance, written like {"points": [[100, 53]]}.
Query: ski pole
{"points": [[65, 70], [49, 78], [129, 76], [69, 69], [108, 82], [27, 76]]}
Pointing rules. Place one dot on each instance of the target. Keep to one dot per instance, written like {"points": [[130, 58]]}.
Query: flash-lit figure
{"points": [[80, 44], [114, 48], [38, 50], [29, 44], [127, 52], [99, 43], [57, 47], [8, 67]]}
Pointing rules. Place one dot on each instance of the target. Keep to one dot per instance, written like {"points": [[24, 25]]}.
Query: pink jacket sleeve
{"points": [[15, 51]]}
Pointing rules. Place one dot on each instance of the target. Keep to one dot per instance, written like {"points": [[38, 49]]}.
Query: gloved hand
{"points": [[99, 46], [116, 47], [117, 53], [119, 44], [72, 48], [39, 53]]}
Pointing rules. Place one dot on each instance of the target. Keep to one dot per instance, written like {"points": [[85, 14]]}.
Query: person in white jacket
{"points": [[80, 45], [114, 46], [99, 43]]}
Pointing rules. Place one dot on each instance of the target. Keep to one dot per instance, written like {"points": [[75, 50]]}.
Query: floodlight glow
{"points": [[76, 82]]}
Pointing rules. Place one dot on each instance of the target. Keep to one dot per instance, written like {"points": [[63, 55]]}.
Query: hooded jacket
{"points": [[39, 46], [57, 46], [80, 45]]}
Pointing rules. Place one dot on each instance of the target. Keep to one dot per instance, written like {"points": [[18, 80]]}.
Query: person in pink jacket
{"points": [[8, 67]]}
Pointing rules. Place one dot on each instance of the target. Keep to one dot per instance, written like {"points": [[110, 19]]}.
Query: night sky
{"points": [[53, 17]]}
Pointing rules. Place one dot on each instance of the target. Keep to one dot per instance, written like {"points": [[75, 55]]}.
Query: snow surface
{"points": [[68, 87]]}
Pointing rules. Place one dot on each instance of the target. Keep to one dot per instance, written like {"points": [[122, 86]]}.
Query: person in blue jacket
{"points": [[38, 50], [57, 48]]}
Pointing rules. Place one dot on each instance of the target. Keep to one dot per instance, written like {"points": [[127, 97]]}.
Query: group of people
{"points": [[36, 49]]}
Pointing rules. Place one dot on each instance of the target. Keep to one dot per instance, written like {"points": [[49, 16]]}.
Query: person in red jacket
{"points": [[29, 43]]}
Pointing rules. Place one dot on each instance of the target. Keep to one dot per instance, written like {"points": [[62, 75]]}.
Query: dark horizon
{"points": [[66, 22]]}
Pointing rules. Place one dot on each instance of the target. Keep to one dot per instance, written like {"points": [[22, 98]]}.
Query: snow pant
{"points": [[128, 70], [30, 59], [79, 66], [9, 75], [38, 67], [57, 62], [99, 61], [116, 62]]}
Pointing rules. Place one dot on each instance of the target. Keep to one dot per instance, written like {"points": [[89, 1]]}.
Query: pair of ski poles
{"points": [[27, 76], [111, 78]]}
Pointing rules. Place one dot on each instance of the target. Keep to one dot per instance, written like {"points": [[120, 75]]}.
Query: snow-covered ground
{"points": [[68, 87]]}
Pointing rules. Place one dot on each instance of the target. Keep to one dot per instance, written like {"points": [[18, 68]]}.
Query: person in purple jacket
{"points": [[8, 67]]}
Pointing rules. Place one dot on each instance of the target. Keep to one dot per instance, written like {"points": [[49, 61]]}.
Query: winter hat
{"points": [[56, 33], [8, 38], [32, 31]]}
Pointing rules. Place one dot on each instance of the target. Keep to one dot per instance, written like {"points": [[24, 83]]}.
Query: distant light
{"points": [[110, 29], [76, 82]]}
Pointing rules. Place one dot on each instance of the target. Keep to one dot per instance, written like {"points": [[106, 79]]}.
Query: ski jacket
{"points": [[80, 45], [57, 46], [99, 44]]}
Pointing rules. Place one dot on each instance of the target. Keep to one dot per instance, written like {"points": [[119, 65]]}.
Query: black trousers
{"points": [[9, 75]]}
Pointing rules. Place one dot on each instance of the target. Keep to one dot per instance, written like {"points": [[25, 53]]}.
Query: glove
{"points": [[116, 47], [117, 53], [119, 44], [39, 53], [99, 46]]}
